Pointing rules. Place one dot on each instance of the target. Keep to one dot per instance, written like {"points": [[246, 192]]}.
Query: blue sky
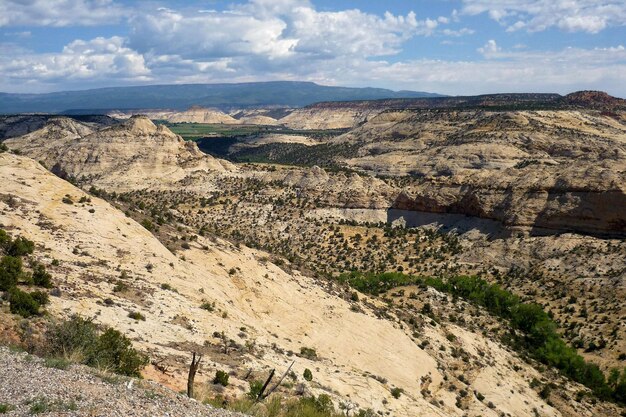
{"points": [[446, 46]]}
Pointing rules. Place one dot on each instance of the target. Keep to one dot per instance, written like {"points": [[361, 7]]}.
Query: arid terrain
{"points": [[257, 252]]}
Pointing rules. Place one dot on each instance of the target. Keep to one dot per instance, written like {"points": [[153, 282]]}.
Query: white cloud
{"points": [[59, 12], [275, 29], [91, 61], [590, 16], [458, 33], [561, 71], [264, 40], [490, 49]]}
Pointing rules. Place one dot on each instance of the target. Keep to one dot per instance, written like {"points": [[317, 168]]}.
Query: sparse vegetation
{"points": [[79, 339], [221, 378], [538, 332], [308, 375]]}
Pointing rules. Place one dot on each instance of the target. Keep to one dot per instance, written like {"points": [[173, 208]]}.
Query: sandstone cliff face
{"points": [[192, 115], [136, 154], [339, 189], [553, 201], [561, 170], [330, 116]]}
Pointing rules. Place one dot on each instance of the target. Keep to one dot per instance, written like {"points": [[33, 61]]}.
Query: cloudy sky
{"points": [[445, 46]]}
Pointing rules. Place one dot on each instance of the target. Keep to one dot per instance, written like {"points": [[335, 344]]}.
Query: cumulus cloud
{"points": [[92, 61], [263, 40], [59, 12], [275, 29], [590, 16], [560, 71], [490, 49]]}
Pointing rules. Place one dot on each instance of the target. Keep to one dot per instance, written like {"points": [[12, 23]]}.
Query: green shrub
{"points": [[120, 287], [396, 392], [57, 363], [308, 353], [41, 277], [21, 246], [75, 338], [255, 389], [147, 224], [308, 375], [39, 405], [114, 352], [40, 297], [208, 306], [5, 408], [5, 241], [135, 315], [10, 272], [22, 303], [221, 378]]}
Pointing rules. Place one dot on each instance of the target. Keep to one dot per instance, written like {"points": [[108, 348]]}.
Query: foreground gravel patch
{"points": [[32, 386]]}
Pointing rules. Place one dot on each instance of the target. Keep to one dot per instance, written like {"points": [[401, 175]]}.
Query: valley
{"points": [[334, 238]]}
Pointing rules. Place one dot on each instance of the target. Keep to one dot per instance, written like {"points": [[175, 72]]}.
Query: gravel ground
{"points": [[31, 386]]}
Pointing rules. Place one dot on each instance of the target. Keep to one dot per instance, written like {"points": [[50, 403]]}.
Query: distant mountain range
{"points": [[183, 96]]}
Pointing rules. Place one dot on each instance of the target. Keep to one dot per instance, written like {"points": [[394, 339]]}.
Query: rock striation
{"points": [[136, 154]]}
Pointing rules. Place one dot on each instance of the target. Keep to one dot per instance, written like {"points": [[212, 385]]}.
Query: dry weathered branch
{"points": [[193, 368]]}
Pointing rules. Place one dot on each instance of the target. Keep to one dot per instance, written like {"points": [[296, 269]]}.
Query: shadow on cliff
{"points": [[582, 211], [449, 222]]}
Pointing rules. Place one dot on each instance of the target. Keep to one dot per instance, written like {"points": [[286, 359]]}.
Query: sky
{"points": [[456, 47]]}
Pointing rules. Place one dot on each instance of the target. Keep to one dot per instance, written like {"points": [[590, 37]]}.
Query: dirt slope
{"points": [[280, 311]]}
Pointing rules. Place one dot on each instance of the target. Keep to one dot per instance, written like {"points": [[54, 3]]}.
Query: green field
{"points": [[194, 131]]}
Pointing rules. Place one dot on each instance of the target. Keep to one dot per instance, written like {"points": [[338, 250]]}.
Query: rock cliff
{"points": [[136, 154]]}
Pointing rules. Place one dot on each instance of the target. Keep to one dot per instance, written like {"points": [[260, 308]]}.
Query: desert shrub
{"points": [[221, 378], [75, 338], [79, 339], [135, 315], [308, 375], [21, 246], [41, 277], [147, 224], [120, 287], [308, 353], [40, 297], [255, 389], [10, 272], [208, 306], [22, 303], [5, 240], [57, 363], [4, 407], [396, 392], [114, 352], [3, 147]]}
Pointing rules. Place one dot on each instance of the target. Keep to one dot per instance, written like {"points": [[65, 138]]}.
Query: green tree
{"points": [[114, 351], [21, 246], [22, 303], [41, 277], [10, 272]]}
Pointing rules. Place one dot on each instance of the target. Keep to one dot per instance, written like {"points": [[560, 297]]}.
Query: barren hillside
{"points": [[267, 313]]}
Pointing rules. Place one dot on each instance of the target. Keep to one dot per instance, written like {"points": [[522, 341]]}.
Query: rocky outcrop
{"points": [[136, 154], [331, 115], [339, 189], [551, 200], [561, 170], [191, 115]]}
